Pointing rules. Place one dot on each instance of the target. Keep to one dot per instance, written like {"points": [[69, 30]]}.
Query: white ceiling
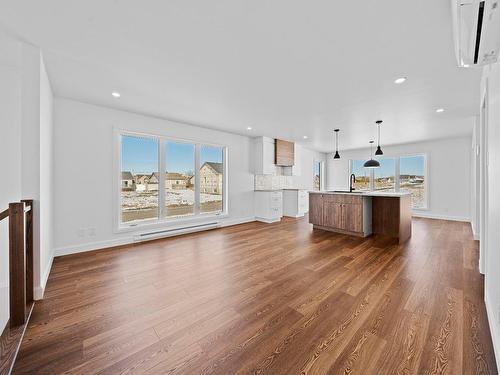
{"points": [[287, 68]]}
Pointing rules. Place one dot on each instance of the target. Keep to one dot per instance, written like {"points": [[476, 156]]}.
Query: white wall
{"points": [[25, 152], [46, 178], [491, 85], [449, 174], [37, 160], [83, 174], [10, 153], [307, 159]]}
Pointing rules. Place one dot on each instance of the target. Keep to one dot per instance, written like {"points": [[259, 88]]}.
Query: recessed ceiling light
{"points": [[116, 94], [249, 128], [466, 65], [439, 110], [305, 137], [400, 80]]}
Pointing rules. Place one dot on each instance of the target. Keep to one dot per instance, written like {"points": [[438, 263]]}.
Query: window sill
{"points": [[171, 223]]}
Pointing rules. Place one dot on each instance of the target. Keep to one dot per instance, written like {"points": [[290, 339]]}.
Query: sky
{"points": [[413, 165], [140, 155]]}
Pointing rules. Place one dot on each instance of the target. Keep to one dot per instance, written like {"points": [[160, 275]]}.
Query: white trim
{"points": [[40, 289], [295, 216], [161, 219], [440, 217], [129, 239], [90, 246], [267, 221], [493, 323]]}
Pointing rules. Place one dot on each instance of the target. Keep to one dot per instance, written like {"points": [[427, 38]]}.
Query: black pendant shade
{"points": [[336, 156], [379, 150], [372, 163]]}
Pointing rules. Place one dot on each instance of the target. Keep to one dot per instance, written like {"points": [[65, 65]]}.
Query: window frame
{"points": [[397, 177], [162, 220], [321, 174]]}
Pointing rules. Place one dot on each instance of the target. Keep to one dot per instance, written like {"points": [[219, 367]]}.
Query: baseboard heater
{"points": [[175, 231]]}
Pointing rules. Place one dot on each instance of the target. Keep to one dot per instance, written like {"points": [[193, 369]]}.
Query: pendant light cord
{"points": [[378, 142]]}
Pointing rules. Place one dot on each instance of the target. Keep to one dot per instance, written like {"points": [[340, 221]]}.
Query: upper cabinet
{"points": [[264, 155], [284, 152]]}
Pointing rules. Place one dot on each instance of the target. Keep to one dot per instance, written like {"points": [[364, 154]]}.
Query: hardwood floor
{"points": [[267, 298]]}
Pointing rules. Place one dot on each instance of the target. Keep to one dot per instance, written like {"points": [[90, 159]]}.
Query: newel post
{"points": [[17, 264]]}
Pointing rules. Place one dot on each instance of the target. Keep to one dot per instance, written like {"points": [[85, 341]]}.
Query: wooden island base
{"points": [[362, 214]]}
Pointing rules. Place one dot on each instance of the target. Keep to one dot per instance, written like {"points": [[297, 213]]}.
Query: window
{"points": [[139, 157], [317, 176], [212, 182], [412, 179], [405, 173], [362, 175], [192, 181], [179, 186], [385, 176]]}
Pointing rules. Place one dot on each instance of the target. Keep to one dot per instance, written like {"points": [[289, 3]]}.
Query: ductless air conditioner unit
{"points": [[476, 30]]}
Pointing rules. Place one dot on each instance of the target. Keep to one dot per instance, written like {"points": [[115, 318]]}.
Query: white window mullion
{"points": [[197, 179], [397, 177], [224, 180], [161, 182]]}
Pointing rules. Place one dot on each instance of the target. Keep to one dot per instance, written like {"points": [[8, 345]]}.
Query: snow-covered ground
{"points": [[136, 200]]}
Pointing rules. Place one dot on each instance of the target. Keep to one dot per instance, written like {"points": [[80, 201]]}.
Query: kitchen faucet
{"points": [[353, 177]]}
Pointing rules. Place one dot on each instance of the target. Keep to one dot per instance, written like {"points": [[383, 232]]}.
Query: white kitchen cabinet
{"points": [[268, 205], [264, 156], [295, 202]]}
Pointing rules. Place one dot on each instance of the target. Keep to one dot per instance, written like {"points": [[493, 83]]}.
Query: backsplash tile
{"points": [[270, 182]]}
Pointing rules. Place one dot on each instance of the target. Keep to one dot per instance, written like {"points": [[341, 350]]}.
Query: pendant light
{"points": [[379, 150], [336, 156], [372, 163]]}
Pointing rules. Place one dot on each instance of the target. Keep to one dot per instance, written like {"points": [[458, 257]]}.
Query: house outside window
{"points": [[144, 190]]}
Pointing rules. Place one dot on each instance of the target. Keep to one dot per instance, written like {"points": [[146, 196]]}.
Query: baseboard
{"points": [[494, 328], [429, 215], [295, 216], [267, 221], [230, 222], [91, 246], [40, 289], [129, 239]]}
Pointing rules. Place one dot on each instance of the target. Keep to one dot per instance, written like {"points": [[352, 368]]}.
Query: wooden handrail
{"points": [[4, 214]]}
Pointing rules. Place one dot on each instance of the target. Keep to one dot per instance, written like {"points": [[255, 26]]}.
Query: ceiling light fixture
{"points": [[372, 163], [400, 80], [336, 156], [116, 94], [305, 137], [249, 128], [379, 150], [440, 110]]}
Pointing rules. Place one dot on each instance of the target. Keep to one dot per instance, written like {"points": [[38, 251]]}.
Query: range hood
{"points": [[284, 153]]}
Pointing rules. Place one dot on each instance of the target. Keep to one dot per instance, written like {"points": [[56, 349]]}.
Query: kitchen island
{"points": [[362, 213]]}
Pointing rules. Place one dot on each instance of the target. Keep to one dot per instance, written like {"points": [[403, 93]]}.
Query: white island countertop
{"points": [[366, 193]]}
